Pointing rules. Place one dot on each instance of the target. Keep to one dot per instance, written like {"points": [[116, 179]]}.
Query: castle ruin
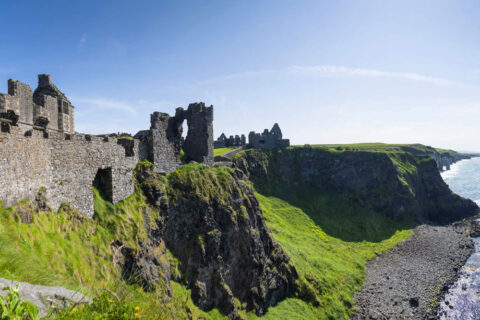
{"points": [[268, 139], [232, 141], [39, 148]]}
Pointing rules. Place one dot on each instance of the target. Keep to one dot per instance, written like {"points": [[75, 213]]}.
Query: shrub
{"points": [[12, 308], [105, 306]]}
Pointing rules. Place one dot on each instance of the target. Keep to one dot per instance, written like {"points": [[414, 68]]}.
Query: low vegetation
{"points": [[12, 308], [383, 147], [66, 249], [222, 151], [330, 241]]}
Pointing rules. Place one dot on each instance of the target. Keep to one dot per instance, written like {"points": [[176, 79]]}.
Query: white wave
{"points": [[454, 168]]}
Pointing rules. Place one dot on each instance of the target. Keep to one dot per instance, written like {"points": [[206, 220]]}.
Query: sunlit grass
{"points": [[222, 151], [334, 268]]}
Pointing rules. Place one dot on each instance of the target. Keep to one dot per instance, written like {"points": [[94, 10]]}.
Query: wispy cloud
{"points": [[116, 48], [371, 73], [83, 40], [338, 71], [105, 104]]}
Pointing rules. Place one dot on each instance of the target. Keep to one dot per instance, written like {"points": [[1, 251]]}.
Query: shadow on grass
{"points": [[338, 216]]}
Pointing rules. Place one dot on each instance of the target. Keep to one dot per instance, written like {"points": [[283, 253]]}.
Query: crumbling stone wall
{"points": [[162, 144], [23, 93], [199, 142], [31, 159], [39, 149]]}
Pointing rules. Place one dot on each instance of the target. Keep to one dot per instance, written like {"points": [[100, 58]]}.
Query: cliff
{"points": [[392, 181], [212, 223]]}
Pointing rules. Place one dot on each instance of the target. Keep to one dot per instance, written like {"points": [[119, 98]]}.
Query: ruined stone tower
{"points": [[162, 144], [46, 108]]}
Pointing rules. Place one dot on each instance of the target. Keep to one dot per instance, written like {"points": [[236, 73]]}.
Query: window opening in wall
{"points": [[5, 127], [65, 107]]}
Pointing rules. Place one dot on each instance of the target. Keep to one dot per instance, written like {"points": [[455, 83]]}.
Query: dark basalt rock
{"points": [[370, 178], [216, 230], [475, 229]]}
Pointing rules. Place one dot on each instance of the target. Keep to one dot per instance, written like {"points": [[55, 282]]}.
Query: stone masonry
{"points": [[162, 144], [268, 139], [232, 141], [40, 149], [64, 164], [47, 107]]}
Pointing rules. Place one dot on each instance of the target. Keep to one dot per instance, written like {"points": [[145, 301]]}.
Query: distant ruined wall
{"points": [[268, 139], [32, 159]]}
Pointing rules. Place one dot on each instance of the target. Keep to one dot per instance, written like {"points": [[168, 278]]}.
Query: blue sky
{"points": [[326, 71]]}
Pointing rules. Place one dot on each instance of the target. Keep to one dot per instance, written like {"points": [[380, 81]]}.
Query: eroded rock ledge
{"points": [[44, 297]]}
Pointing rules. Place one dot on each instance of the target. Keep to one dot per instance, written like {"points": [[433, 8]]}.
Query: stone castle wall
{"points": [[66, 165], [40, 149]]}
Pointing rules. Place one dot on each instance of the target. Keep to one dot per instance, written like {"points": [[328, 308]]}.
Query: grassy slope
{"points": [[66, 249], [333, 266], [222, 151]]}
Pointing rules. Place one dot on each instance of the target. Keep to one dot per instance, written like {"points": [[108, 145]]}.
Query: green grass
{"points": [[331, 265], [222, 151], [383, 147], [66, 249]]}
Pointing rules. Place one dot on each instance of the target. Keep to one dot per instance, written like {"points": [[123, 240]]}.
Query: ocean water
{"points": [[463, 178], [462, 302]]}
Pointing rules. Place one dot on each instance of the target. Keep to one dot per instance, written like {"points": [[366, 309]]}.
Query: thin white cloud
{"points": [[83, 40], [333, 70], [240, 75], [104, 104], [371, 73]]}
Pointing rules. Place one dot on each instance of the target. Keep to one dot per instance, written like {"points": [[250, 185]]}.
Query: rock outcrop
{"points": [[211, 221], [45, 298], [394, 183]]}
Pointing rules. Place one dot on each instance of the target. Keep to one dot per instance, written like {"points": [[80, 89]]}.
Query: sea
{"points": [[462, 300]]}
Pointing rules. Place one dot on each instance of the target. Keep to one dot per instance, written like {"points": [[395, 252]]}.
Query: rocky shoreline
{"points": [[408, 281]]}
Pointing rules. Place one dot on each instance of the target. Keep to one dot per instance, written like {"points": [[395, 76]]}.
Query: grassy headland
{"points": [[328, 232]]}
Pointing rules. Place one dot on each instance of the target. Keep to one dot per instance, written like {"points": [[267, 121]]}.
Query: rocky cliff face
{"points": [[394, 183], [211, 222]]}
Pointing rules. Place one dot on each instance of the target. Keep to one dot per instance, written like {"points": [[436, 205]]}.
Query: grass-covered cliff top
{"points": [[385, 147]]}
